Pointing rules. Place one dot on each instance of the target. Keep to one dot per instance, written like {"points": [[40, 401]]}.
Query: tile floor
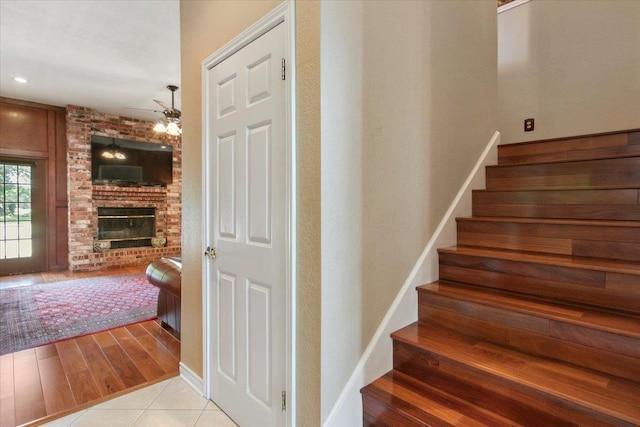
{"points": [[171, 403]]}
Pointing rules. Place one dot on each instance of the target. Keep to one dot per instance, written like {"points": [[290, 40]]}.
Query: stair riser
{"points": [[569, 204], [593, 240], [534, 343], [376, 414], [608, 173], [397, 400], [597, 288], [623, 213], [590, 147], [544, 327], [500, 395]]}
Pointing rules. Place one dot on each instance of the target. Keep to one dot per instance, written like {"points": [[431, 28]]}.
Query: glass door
{"points": [[22, 216]]}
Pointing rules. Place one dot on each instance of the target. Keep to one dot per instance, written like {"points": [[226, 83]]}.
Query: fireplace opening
{"points": [[126, 227]]}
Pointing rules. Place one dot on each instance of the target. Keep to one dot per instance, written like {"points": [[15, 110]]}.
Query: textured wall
{"points": [[574, 66], [308, 144], [408, 104]]}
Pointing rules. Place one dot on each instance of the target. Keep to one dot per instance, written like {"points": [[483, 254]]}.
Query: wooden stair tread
{"points": [[599, 392], [579, 222], [576, 315], [568, 187], [600, 264], [632, 152], [571, 163], [581, 147], [576, 195], [423, 405]]}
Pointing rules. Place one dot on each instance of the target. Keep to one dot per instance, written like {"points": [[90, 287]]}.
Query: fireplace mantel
{"points": [[111, 193]]}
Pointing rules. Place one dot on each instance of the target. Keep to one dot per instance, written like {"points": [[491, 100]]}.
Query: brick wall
{"points": [[85, 198]]}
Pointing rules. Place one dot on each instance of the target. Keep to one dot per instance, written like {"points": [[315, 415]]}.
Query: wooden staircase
{"points": [[535, 320]]}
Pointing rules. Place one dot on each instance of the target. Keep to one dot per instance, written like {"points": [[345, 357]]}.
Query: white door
{"points": [[246, 214]]}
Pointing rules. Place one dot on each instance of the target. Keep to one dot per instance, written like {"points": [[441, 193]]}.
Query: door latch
{"points": [[210, 253]]}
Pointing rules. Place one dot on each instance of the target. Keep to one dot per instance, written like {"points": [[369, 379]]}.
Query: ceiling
{"points": [[115, 56]]}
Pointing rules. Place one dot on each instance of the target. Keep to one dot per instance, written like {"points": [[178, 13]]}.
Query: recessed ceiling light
{"points": [[20, 79]]}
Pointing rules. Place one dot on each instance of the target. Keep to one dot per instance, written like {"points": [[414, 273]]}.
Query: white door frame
{"points": [[284, 14]]}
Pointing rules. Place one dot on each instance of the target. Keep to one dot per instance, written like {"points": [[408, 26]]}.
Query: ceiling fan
{"points": [[171, 122], [172, 116]]}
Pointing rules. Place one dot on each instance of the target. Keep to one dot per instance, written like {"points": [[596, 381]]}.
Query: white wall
{"points": [[408, 102], [574, 66]]}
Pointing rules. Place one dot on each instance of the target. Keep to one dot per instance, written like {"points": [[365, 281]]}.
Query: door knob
{"points": [[210, 253]]}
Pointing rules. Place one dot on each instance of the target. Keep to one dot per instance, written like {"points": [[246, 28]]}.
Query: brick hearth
{"points": [[85, 198]]}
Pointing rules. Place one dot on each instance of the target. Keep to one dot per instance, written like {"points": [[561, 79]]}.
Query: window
{"points": [[15, 210]]}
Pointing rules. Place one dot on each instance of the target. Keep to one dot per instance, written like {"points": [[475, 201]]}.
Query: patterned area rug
{"points": [[35, 315]]}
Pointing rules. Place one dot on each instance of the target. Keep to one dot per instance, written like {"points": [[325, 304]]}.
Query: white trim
{"points": [[282, 14], [262, 26], [376, 359], [511, 5], [292, 259], [192, 379]]}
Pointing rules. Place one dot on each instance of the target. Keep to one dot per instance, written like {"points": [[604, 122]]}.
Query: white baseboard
{"points": [[377, 357], [192, 379]]}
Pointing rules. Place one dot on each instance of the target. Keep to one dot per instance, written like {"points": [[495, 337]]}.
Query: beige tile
{"points": [[211, 407], [214, 419], [108, 418], [179, 395], [168, 418], [65, 421], [139, 399]]}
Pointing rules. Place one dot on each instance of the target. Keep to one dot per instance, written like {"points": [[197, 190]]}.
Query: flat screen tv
{"points": [[130, 163]]}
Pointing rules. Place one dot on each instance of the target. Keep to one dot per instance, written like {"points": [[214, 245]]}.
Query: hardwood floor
{"points": [[44, 383]]}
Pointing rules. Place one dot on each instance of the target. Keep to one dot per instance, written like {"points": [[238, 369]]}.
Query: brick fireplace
{"points": [[85, 198]]}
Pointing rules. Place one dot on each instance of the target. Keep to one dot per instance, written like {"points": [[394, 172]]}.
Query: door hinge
{"points": [[284, 69], [284, 400]]}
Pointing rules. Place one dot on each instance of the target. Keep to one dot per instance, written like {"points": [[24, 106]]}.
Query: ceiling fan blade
{"points": [[162, 104], [142, 109]]}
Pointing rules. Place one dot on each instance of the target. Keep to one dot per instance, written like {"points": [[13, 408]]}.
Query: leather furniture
{"points": [[165, 273]]}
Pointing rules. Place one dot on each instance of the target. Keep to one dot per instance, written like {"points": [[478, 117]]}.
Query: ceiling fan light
{"points": [[107, 154], [173, 129], [160, 127], [120, 156]]}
